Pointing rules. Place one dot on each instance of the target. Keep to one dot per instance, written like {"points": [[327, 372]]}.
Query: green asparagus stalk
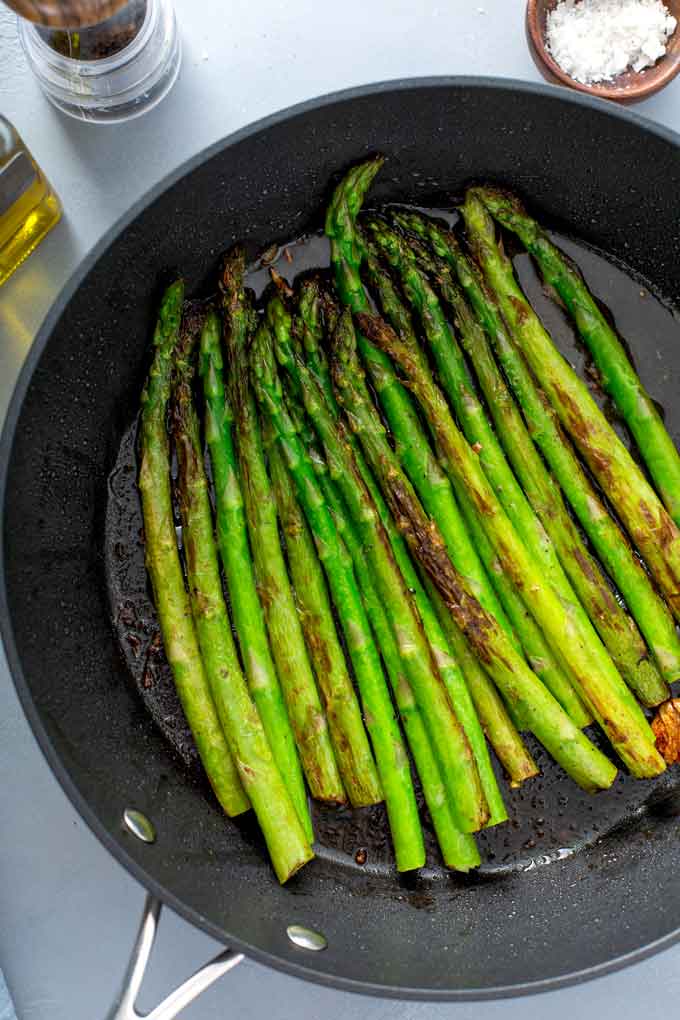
{"points": [[448, 740], [619, 378], [284, 835], [641, 511], [389, 749], [454, 654], [499, 728], [309, 328], [232, 540], [350, 742], [285, 633], [365, 422], [541, 658], [598, 680], [538, 653], [615, 627], [608, 540], [458, 850], [165, 570], [412, 445]]}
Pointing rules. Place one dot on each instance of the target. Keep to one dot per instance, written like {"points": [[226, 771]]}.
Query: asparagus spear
{"points": [[350, 742], [617, 631], [538, 653], [412, 446], [389, 750], [309, 328], [604, 690], [459, 850], [285, 634], [165, 570], [286, 839], [619, 378], [446, 735], [499, 728], [650, 526], [608, 540], [365, 422], [232, 540]]}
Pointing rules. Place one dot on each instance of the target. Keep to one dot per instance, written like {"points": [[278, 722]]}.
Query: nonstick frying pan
{"points": [[543, 920]]}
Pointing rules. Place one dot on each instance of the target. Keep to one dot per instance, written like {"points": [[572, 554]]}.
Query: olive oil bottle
{"points": [[28, 206]]}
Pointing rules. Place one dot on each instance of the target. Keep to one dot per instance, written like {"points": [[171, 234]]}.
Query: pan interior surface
{"points": [[538, 914]]}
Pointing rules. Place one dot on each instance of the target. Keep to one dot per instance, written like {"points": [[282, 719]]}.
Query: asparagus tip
{"points": [[383, 336], [233, 270]]}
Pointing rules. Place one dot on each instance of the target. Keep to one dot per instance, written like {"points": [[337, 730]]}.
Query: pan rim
{"points": [[115, 847]]}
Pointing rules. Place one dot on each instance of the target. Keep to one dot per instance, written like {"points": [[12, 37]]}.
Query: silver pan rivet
{"points": [[139, 825], [305, 938]]}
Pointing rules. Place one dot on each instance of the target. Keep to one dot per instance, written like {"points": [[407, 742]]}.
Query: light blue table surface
{"points": [[6, 1004], [68, 912]]}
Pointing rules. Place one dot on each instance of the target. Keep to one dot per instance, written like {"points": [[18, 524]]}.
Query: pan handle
{"points": [[124, 1008]]}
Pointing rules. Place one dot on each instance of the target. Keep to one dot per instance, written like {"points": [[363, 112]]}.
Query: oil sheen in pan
{"points": [[550, 818]]}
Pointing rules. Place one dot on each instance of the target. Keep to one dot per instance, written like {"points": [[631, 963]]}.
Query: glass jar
{"points": [[112, 71], [65, 13], [28, 206]]}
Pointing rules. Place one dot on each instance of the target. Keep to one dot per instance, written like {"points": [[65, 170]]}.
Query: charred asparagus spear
{"points": [[648, 523], [493, 715], [285, 633], [539, 655], [232, 539], [350, 741], [365, 423], [389, 750], [616, 629], [608, 540], [165, 570], [308, 328], [604, 690], [619, 378], [286, 840]]}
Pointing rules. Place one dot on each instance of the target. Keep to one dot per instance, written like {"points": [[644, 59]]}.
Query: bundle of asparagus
{"points": [[430, 576]]}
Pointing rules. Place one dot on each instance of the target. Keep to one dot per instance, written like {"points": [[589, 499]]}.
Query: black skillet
{"points": [[540, 915]]}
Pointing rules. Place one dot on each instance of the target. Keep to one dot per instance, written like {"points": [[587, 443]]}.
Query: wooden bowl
{"points": [[629, 87]]}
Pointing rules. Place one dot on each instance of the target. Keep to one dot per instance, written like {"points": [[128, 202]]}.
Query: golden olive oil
{"points": [[28, 206]]}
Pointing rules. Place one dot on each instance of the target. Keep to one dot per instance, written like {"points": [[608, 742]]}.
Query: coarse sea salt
{"points": [[596, 40]]}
